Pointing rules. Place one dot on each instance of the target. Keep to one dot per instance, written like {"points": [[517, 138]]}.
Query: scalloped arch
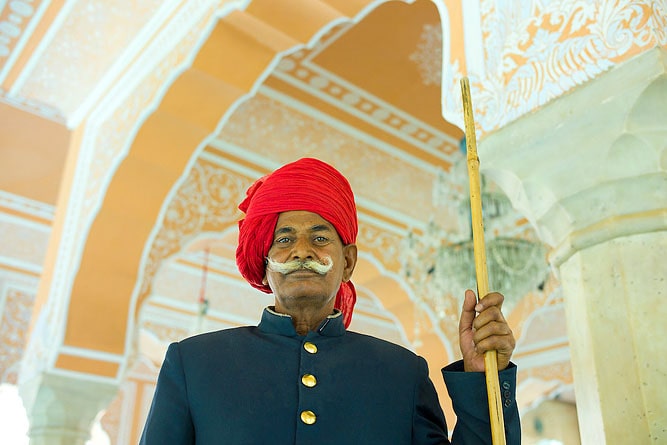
{"points": [[193, 108]]}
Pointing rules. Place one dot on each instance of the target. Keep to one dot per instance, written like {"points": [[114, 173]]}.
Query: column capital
{"points": [[61, 408], [591, 165]]}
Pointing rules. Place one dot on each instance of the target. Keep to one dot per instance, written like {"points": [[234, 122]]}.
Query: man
{"points": [[300, 377]]}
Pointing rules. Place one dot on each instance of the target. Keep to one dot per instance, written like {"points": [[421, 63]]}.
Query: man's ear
{"points": [[350, 255]]}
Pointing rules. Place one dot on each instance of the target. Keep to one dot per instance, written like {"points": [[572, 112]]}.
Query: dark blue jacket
{"points": [[269, 385]]}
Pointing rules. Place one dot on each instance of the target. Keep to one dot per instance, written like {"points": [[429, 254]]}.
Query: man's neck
{"points": [[306, 319]]}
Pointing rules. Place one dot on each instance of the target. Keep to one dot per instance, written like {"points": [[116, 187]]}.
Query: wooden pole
{"points": [[490, 357]]}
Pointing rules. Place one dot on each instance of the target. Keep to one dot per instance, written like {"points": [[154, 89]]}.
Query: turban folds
{"points": [[307, 184]]}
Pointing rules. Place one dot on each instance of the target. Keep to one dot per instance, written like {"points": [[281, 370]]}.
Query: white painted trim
{"points": [[185, 319], [26, 205], [24, 222], [428, 311], [104, 110], [556, 355], [90, 353], [271, 165], [129, 391], [131, 52], [237, 151], [348, 129], [163, 316], [224, 264], [20, 264], [146, 62], [36, 55], [373, 317], [84, 376], [472, 35], [230, 318], [521, 344], [311, 55], [540, 345], [25, 36], [558, 388], [151, 371], [365, 95], [373, 221], [162, 300], [358, 114], [391, 214]]}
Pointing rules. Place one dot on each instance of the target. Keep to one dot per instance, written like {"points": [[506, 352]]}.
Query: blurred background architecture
{"points": [[129, 132]]}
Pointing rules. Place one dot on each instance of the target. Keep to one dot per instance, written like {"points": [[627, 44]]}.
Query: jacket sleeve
{"points": [[169, 419], [470, 401], [428, 422]]}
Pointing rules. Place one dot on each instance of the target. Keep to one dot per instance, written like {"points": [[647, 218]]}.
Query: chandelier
{"points": [[440, 265]]}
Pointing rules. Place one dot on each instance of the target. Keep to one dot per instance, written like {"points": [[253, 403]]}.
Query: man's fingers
{"points": [[468, 311], [504, 344], [495, 331], [491, 299], [490, 315]]}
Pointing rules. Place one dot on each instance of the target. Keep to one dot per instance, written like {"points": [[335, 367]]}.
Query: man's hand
{"points": [[486, 331]]}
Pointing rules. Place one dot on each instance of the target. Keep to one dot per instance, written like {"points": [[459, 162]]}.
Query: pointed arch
{"points": [[116, 265]]}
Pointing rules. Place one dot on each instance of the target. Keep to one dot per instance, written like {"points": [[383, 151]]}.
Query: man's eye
{"points": [[282, 240], [321, 239]]}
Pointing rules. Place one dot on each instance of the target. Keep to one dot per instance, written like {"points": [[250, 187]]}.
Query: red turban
{"points": [[307, 184]]}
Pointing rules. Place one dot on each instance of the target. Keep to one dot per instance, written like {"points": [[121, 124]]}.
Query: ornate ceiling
{"points": [[129, 132]]}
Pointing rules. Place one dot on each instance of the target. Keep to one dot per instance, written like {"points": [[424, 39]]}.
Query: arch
{"points": [[400, 303], [386, 306], [396, 297], [116, 267]]}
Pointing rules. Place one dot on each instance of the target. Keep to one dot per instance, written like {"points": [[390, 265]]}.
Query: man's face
{"points": [[301, 235]]}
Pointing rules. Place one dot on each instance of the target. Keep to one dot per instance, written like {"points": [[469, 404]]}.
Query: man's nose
{"points": [[302, 248]]}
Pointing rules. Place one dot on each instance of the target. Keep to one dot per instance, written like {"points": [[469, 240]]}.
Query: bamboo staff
{"points": [[490, 357]]}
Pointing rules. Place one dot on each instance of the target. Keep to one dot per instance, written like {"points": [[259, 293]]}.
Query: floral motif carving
{"points": [[15, 321], [15, 17], [205, 201], [536, 54], [294, 133], [428, 54], [537, 51], [381, 244]]}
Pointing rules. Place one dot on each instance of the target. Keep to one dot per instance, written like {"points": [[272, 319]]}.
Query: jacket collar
{"points": [[276, 323]]}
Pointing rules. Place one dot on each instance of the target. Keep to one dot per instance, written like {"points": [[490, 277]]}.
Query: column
{"points": [[589, 170], [61, 409]]}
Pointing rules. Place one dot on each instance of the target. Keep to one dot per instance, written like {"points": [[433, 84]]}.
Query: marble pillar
{"points": [[589, 170], [61, 409]]}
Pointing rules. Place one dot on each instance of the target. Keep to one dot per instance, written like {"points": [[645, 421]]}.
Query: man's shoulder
{"points": [[216, 337], [370, 341], [397, 360]]}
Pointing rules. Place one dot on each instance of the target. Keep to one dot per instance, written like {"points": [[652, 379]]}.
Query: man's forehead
{"points": [[300, 219]]}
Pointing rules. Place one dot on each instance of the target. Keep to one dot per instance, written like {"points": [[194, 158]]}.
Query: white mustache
{"points": [[294, 265]]}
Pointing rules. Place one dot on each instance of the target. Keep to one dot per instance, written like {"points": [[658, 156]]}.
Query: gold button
{"points": [[310, 347], [309, 380], [308, 417]]}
